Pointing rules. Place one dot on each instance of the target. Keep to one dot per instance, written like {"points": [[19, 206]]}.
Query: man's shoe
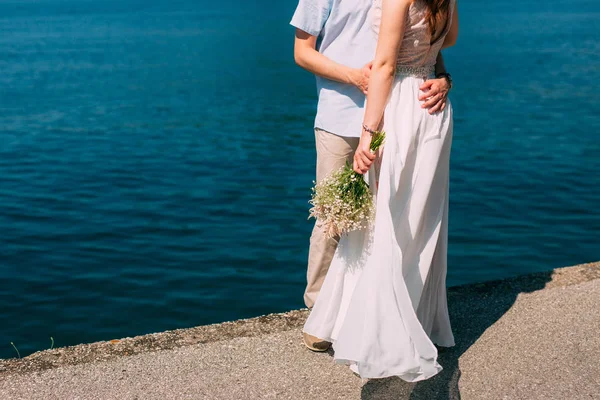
{"points": [[314, 343]]}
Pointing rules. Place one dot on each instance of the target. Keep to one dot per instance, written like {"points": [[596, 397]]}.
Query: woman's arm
{"points": [[391, 33], [450, 39], [310, 59]]}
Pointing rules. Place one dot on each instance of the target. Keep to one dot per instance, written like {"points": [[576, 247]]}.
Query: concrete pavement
{"points": [[532, 337]]}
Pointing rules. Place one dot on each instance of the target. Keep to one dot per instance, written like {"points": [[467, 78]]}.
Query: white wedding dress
{"points": [[383, 303]]}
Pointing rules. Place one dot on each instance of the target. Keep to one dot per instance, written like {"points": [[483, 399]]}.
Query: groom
{"points": [[335, 41]]}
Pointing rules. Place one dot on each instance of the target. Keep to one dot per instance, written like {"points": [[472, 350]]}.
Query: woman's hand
{"points": [[435, 94], [363, 157]]}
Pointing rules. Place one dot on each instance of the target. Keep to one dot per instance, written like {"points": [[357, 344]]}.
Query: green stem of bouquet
{"points": [[377, 140]]}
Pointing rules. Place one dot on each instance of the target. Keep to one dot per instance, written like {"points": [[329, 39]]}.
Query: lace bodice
{"points": [[416, 50]]}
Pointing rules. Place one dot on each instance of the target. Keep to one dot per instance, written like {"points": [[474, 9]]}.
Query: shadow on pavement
{"points": [[473, 309]]}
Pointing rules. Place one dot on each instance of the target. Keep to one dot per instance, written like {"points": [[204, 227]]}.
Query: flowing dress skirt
{"points": [[383, 303]]}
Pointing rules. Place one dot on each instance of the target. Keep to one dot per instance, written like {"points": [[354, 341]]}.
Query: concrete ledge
{"points": [[502, 293]]}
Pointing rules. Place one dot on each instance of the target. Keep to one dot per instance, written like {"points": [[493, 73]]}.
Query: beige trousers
{"points": [[332, 153]]}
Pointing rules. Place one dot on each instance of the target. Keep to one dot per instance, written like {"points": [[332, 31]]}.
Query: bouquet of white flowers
{"points": [[343, 202]]}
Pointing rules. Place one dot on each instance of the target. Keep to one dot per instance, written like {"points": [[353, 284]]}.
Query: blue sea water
{"points": [[156, 158]]}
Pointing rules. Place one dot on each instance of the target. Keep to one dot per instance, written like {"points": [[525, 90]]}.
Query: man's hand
{"points": [[307, 57], [435, 94], [363, 157], [360, 77]]}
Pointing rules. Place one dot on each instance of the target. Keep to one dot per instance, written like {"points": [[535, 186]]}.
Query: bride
{"points": [[383, 303]]}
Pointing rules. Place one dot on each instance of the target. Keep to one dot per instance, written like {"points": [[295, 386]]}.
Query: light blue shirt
{"points": [[345, 35]]}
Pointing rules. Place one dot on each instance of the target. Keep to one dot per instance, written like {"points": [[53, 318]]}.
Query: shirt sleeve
{"points": [[311, 15]]}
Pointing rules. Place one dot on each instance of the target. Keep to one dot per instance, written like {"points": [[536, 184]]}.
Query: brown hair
{"points": [[437, 11]]}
